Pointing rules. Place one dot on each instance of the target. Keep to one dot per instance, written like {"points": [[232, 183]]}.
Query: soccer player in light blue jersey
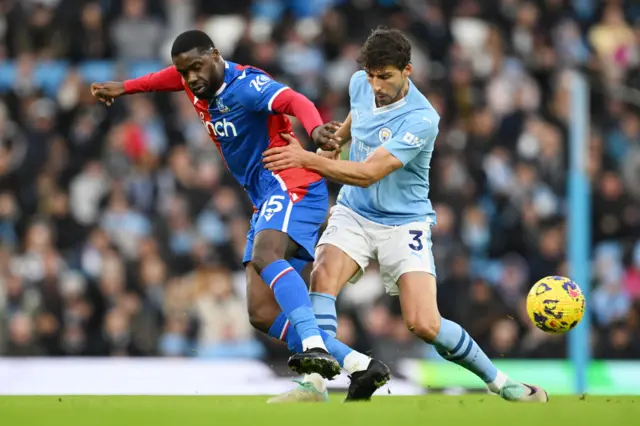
{"points": [[384, 213]]}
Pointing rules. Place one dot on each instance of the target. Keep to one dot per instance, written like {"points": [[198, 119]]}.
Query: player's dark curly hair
{"points": [[192, 39], [385, 47]]}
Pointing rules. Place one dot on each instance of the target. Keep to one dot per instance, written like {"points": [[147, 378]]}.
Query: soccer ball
{"points": [[555, 304]]}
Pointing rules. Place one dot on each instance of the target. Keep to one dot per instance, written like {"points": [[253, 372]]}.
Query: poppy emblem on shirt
{"points": [[384, 134], [222, 107]]}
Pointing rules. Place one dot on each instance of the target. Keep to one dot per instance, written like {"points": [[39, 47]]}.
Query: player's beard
{"points": [[400, 93]]}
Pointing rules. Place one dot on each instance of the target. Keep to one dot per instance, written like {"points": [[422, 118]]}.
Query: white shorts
{"points": [[398, 249]]}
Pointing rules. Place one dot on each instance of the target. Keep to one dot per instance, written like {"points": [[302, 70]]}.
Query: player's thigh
{"points": [[408, 269], [261, 303], [332, 269], [343, 252], [404, 249], [288, 224]]}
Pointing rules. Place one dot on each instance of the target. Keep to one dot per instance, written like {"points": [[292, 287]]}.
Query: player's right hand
{"points": [[324, 136], [108, 91], [331, 155]]}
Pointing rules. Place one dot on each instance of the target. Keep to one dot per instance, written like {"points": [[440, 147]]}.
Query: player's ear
{"points": [[407, 70]]}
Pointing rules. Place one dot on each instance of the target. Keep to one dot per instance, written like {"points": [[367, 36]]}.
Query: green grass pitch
{"points": [[436, 410]]}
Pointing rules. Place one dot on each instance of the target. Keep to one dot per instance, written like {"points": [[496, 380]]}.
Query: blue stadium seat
{"points": [[98, 71]]}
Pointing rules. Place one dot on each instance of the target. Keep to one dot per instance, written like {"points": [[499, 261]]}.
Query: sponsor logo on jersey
{"points": [[220, 128], [413, 140], [260, 82]]}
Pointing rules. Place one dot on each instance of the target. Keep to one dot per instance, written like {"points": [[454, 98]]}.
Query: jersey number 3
{"points": [[416, 243]]}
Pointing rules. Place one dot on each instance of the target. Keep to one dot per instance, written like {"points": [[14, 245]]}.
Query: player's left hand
{"points": [[324, 136], [289, 156]]}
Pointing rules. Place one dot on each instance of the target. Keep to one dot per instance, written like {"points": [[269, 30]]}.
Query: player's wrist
{"points": [[309, 159], [314, 135], [126, 86]]}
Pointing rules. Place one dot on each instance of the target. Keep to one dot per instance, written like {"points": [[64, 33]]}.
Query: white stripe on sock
{"points": [[284, 329], [277, 277]]}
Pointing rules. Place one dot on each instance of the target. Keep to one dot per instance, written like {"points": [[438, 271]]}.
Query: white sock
{"points": [[313, 342], [356, 361], [316, 380], [499, 382]]}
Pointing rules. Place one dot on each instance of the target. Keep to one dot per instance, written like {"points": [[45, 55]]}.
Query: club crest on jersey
{"points": [[384, 134], [222, 107]]}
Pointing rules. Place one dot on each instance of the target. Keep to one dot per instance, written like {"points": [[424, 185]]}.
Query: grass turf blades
{"points": [[468, 410]]}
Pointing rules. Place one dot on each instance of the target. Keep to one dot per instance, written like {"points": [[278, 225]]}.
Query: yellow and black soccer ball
{"points": [[555, 304]]}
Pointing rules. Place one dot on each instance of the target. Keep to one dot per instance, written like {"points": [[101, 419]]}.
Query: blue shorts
{"points": [[299, 218]]}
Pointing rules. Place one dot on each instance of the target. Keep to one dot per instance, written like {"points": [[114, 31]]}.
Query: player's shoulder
{"points": [[423, 121], [244, 74], [248, 83], [420, 110], [359, 76], [357, 82]]}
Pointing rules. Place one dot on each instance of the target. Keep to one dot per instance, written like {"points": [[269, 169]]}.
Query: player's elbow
{"points": [[365, 183], [370, 177]]}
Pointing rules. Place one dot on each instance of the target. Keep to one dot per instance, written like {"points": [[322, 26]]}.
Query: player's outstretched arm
{"points": [[391, 156], [377, 166], [166, 80]]}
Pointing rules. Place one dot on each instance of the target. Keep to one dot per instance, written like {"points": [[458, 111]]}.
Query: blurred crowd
{"points": [[121, 233]]}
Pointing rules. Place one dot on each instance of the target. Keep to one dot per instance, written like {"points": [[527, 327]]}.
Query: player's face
{"points": [[203, 72], [389, 83]]}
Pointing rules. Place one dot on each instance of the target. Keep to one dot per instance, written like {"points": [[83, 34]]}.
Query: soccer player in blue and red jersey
{"points": [[243, 111]]}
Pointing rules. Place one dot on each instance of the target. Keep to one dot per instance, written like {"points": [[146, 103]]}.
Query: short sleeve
{"points": [[257, 91], [412, 139]]}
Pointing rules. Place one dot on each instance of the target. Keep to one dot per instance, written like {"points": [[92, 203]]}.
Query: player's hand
{"points": [[331, 155], [324, 136], [108, 91], [289, 156]]}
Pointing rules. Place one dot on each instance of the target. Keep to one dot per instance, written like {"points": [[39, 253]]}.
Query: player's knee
{"points": [[268, 247], [424, 326], [324, 280], [260, 260], [263, 256]]}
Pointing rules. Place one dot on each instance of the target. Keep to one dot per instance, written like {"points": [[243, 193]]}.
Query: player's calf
{"points": [[453, 343], [261, 305], [270, 249]]}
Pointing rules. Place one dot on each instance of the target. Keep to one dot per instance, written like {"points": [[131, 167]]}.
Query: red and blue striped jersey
{"points": [[241, 123]]}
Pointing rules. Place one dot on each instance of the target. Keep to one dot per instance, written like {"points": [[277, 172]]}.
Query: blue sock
{"points": [[292, 296], [324, 306], [298, 264], [281, 330], [454, 344]]}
